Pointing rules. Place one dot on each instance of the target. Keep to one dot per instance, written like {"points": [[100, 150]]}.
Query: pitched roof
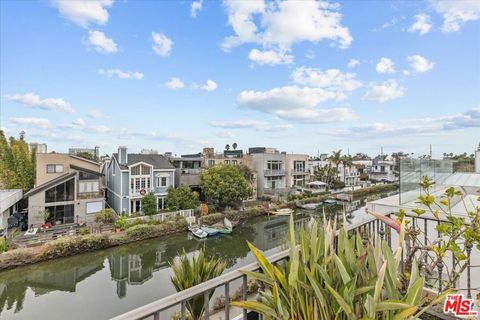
{"points": [[158, 161], [50, 183]]}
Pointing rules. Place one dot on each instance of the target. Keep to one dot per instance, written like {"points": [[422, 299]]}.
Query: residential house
{"points": [[188, 169], [67, 189], [130, 176], [349, 175], [277, 173], [383, 169], [8, 205]]}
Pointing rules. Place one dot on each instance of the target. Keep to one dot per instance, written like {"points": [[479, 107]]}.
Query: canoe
{"points": [[283, 212], [198, 232], [210, 231]]}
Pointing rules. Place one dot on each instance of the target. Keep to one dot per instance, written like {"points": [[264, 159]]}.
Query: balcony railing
{"points": [[90, 195], [269, 173], [136, 192], [370, 227]]}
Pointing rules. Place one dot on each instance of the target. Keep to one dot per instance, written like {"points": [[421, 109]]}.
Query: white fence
{"points": [[187, 214]]}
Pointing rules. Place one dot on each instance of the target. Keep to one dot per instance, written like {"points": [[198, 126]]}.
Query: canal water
{"points": [[102, 284]]}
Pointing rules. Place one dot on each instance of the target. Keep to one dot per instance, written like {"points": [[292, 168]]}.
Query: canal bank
{"points": [[105, 283]]}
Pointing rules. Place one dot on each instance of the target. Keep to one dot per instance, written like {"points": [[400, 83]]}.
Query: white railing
{"points": [[187, 214]]}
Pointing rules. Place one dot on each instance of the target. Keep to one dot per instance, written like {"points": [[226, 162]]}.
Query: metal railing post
{"points": [[227, 301]]}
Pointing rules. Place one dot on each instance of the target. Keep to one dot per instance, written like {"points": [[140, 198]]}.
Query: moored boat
{"points": [[330, 201], [198, 232], [228, 227], [210, 231], [283, 212]]}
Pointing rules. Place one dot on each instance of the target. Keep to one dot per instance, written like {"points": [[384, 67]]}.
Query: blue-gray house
{"points": [[130, 176]]}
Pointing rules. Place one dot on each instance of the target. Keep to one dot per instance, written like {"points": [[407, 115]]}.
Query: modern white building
{"points": [[383, 170], [8, 204], [277, 172], [349, 174]]}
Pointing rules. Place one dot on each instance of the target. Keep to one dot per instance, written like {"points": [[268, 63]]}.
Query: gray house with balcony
{"points": [[129, 176]]}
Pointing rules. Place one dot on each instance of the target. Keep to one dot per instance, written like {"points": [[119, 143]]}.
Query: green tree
{"points": [[17, 163], [224, 185], [347, 161], [181, 198], [227, 147], [336, 158], [361, 156], [86, 155], [149, 204]]}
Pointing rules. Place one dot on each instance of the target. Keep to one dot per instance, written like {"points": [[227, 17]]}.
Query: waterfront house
{"points": [[348, 175], [129, 176], [277, 172], [8, 204], [383, 169], [187, 169], [67, 187]]}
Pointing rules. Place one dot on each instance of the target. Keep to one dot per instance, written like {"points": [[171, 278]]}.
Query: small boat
{"points": [[330, 201], [309, 206], [283, 212], [198, 232], [210, 231], [228, 227]]}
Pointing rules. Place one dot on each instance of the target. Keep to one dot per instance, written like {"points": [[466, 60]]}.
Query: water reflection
{"points": [[115, 272]]}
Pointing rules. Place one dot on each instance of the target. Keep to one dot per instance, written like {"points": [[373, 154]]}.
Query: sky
{"points": [[301, 76]]}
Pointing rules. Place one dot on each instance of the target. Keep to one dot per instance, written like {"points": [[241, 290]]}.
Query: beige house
{"points": [[68, 189]]}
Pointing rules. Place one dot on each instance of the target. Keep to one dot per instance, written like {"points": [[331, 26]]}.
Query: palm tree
{"points": [[188, 273], [336, 158], [227, 147], [234, 145]]}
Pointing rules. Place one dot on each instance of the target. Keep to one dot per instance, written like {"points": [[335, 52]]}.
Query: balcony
{"points": [[136, 192], [300, 172], [90, 195], [270, 173]]}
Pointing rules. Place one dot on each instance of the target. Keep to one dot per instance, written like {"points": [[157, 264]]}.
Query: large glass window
{"points": [[60, 214], [62, 192]]}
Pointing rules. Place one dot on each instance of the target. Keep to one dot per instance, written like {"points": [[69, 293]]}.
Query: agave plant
{"points": [[343, 279], [190, 272]]}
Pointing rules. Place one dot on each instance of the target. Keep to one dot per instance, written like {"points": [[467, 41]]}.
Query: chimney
{"points": [[122, 155], [477, 159]]}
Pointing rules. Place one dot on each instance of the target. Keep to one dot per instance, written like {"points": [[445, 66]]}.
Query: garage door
{"points": [[94, 207]]}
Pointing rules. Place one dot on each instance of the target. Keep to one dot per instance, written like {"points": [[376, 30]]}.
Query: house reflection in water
{"points": [[134, 268]]}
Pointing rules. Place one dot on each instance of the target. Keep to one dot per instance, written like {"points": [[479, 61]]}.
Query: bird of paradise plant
{"points": [[351, 280]]}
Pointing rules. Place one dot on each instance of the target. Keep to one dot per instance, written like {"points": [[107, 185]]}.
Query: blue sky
{"points": [[302, 76]]}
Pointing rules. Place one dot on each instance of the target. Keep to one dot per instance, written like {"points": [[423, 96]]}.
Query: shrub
{"points": [[211, 218], [121, 223], [3, 244], [141, 231], [131, 223], [66, 246], [149, 204], [17, 256], [84, 231], [105, 216]]}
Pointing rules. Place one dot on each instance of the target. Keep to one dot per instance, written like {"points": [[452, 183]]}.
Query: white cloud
{"points": [[269, 57], [225, 134], [196, 6], [296, 103], [100, 129], [84, 12], [79, 122], [332, 79], [385, 65], [101, 42], [284, 23], [33, 122], [174, 83], [33, 100], [422, 24], [121, 74], [456, 13], [251, 124], [420, 64], [423, 126], [385, 91], [95, 114], [210, 85], [353, 63], [162, 45]]}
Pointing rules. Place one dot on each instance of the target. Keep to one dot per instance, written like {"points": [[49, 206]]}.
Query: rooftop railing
{"points": [[369, 228]]}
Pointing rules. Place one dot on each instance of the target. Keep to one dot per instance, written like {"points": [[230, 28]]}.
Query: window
{"points": [[161, 203], [54, 168], [88, 187], [162, 181], [87, 176], [274, 165], [211, 163], [60, 214], [299, 166], [62, 192]]}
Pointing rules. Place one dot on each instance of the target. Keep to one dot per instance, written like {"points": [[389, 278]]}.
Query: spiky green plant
{"points": [[353, 280], [190, 272]]}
